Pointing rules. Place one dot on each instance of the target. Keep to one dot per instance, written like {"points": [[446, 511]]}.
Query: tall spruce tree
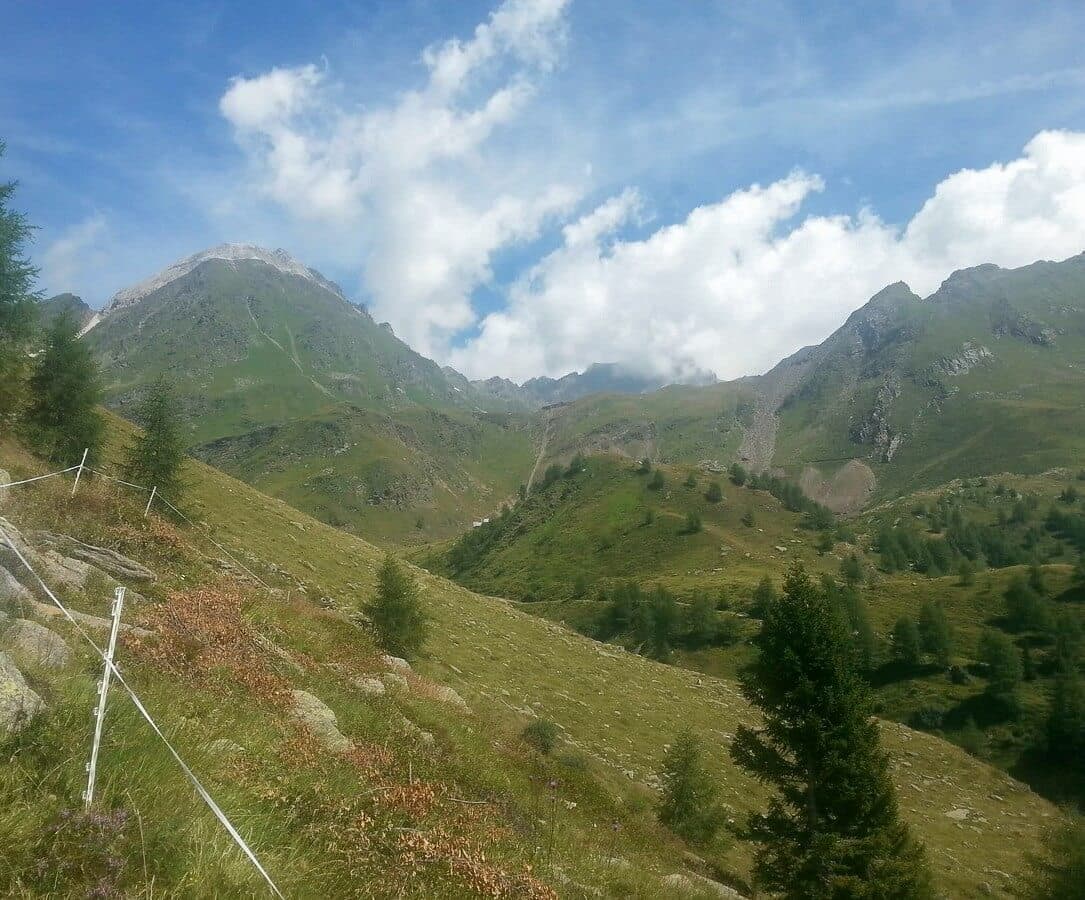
{"points": [[155, 458], [832, 829], [688, 803], [62, 417], [935, 634], [18, 309], [396, 612]]}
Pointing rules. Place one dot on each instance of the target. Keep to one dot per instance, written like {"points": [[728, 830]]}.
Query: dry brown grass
{"points": [[201, 634]]}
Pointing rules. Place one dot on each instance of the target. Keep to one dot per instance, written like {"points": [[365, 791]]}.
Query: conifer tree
{"points": [[998, 653], [935, 635], [18, 309], [906, 645], [155, 458], [688, 804], [1066, 719], [396, 612], [714, 494], [62, 417], [833, 828], [764, 595], [851, 570]]}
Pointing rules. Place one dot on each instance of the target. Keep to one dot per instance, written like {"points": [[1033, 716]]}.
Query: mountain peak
{"points": [[233, 253]]}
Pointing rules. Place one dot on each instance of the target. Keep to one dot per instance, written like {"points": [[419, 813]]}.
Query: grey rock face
{"points": [[970, 356], [18, 703], [318, 717], [31, 642], [107, 560]]}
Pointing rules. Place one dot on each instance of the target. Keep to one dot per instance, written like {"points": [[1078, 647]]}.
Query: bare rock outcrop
{"points": [[30, 642], [116, 564], [18, 702]]}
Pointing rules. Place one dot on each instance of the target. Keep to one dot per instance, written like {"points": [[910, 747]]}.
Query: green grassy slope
{"points": [[315, 819], [677, 423], [588, 532], [593, 525]]}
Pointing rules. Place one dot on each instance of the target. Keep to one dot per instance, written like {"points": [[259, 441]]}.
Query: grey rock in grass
{"points": [[319, 718], [19, 704], [687, 883], [395, 663], [371, 687], [116, 564], [30, 642], [394, 682]]}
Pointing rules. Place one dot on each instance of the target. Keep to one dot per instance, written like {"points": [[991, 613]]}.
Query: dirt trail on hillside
{"points": [[542, 451]]}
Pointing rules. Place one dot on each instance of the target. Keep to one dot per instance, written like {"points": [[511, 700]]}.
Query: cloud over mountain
{"points": [[743, 282], [413, 179], [430, 189]]}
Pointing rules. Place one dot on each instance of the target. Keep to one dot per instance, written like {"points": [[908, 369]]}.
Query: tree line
{"points": [[50, 384]]}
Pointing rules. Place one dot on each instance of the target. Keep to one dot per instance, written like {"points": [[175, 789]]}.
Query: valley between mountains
{"points": [[598, 555]]}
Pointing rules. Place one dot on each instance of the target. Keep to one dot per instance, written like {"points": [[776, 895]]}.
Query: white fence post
{"points": [[103, 692], [78, 474], [154, 491]]}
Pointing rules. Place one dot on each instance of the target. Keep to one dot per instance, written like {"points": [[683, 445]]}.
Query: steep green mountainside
{"points": [[986, 375], [675, 424], [459, 814], [286, 383]]}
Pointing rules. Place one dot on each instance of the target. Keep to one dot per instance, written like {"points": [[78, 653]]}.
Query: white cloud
{"points": [[414, 183], [75, 257], [735, 287]]}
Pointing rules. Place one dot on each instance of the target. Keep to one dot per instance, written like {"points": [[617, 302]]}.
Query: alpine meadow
{"points": [[655, 470]]}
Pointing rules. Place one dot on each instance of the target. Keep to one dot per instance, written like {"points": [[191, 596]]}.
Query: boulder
{"points": [[13, 595], [419, 734], [107, 560], [687, 883], [394, 682], [48, 611], [371, 687], [449, 695], [30, 642], [318, 717], [395, 663], [18, 703], [62, 572]]}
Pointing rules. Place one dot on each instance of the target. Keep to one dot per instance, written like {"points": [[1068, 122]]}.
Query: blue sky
{"points": [[809, 136]]}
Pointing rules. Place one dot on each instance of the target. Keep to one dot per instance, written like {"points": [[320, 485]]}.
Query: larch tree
{"points": [[155, 457]]}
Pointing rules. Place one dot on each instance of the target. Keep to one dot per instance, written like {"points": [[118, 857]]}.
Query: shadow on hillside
{"points": [[1057, 782], [983, 710], [896, 671]]}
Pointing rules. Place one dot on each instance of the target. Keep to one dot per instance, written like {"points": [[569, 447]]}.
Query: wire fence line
{"points": [[38, 477], [111, 666], [200, 789]]}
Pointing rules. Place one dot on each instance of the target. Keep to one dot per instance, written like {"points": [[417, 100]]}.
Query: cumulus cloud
{"points": [[75, 256], [741, 283], [411, 180]]}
